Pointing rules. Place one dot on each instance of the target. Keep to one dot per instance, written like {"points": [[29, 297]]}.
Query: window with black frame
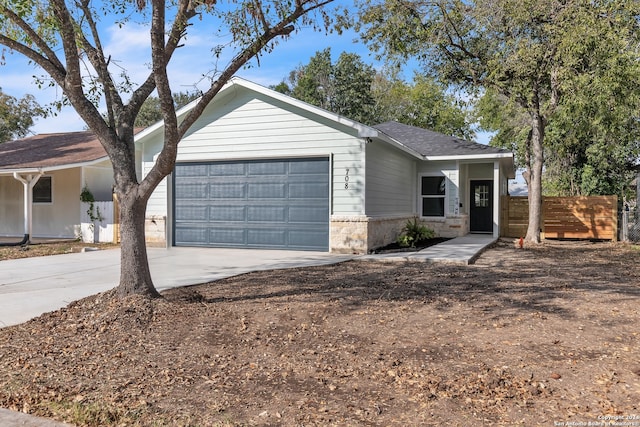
{"points": [[43, 190], [433, 194]]}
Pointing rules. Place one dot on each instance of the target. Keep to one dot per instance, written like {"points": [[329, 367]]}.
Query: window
{"points": [[42, 191], [481, 195], [433, 195]]}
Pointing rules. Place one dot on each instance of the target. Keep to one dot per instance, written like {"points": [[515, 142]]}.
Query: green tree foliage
{"points": [[594, 137], [423, 103], [522, 53], [64, 38], [16, 116], [343, 87], [151, 113]]}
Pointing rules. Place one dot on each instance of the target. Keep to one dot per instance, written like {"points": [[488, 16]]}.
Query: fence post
{"points": [[116, 219]]}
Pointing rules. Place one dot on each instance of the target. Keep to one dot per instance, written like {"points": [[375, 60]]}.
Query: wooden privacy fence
{"points": [[592, 217]]}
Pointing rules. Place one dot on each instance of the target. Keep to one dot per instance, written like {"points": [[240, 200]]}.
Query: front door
{"points": [[481, 211]]}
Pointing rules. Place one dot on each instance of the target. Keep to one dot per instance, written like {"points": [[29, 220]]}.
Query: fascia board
{"points": [[492, 156], [51, 168]]}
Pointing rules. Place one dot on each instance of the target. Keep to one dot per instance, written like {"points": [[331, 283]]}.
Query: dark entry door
{"points": [[481, 211]]}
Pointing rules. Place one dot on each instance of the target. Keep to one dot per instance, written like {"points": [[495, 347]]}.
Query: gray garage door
{"points": [[276, 204]]}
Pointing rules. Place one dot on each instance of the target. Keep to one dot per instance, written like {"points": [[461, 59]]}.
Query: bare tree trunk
{"points": [[534, 178], [135, 276]]}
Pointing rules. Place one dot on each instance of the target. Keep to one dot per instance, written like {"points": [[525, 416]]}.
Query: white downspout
{"points": [[28, 183]]}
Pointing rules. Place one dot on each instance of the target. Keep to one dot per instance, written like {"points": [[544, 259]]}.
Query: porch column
{"points": [[496, 198], [28, 181]]}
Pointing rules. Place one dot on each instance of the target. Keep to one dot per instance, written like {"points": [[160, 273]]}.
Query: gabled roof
{"points": [[436, 146], [50, 152], [362, 131]]}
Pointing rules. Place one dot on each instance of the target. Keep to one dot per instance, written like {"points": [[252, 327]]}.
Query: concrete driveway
{"points": [[30, 287]]}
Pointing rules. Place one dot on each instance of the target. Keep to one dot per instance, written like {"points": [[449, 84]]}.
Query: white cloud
{"points": [[127, 40]]}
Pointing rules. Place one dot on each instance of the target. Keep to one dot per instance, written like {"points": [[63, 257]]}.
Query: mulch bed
{"points": [[420, 245]]}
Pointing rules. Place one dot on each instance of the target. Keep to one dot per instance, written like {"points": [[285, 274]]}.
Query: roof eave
{"points": [[44, 169], [489, 156], [363, 131]]}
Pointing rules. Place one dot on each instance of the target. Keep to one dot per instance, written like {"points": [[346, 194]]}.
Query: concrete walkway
{"points": [[18, 419], [461, 250]]}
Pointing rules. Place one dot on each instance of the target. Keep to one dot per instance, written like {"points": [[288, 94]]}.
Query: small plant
{"points": [[86, 196], [413, 232]]}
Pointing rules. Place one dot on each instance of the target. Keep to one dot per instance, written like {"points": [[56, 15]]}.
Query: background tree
{"points": [[62, 36], [343, 87], [151, 113], [594, 137], [423, 103], [522, 51], [352, 88], [16, 116]]}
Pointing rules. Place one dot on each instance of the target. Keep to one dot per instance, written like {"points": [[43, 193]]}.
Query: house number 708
{"points": [[346, 180]]}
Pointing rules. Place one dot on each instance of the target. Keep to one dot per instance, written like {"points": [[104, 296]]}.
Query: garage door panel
{"points": [[227, 191], [194, 235], [227, 213], [192, 191], [266, 237], [228, 237], [192, 213], [267, 191], [277, 214], [278, 168], [308, 191], [312, 215], [305, 239], [227, 169], [306, 168], [281, 204], [193, 169]]}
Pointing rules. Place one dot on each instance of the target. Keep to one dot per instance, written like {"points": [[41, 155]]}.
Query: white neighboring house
{"points": [[262, 170], [41, 178]]}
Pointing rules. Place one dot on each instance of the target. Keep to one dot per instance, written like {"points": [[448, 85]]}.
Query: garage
{"points": [[266, 204]]}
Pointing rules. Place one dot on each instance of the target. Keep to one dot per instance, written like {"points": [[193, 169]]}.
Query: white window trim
{"points": [[45, 203], [445, 196]]}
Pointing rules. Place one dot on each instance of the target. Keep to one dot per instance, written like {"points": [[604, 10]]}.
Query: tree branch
{"points": [[72, 84], [97, 58], [47, 59], [166, 158], [184, 13]]}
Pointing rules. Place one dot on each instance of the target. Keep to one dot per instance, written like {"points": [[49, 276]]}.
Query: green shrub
{"points": [[413, 232]]}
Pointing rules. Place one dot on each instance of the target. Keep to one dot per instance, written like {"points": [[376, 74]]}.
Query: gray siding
{"points": [[391, 182]]}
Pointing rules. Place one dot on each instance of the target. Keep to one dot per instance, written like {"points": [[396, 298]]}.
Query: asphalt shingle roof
{"points": [[50, 150], [434, 144]]}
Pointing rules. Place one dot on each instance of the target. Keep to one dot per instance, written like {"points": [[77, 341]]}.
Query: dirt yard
{"points": [[545, 336], [49, 248]]}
